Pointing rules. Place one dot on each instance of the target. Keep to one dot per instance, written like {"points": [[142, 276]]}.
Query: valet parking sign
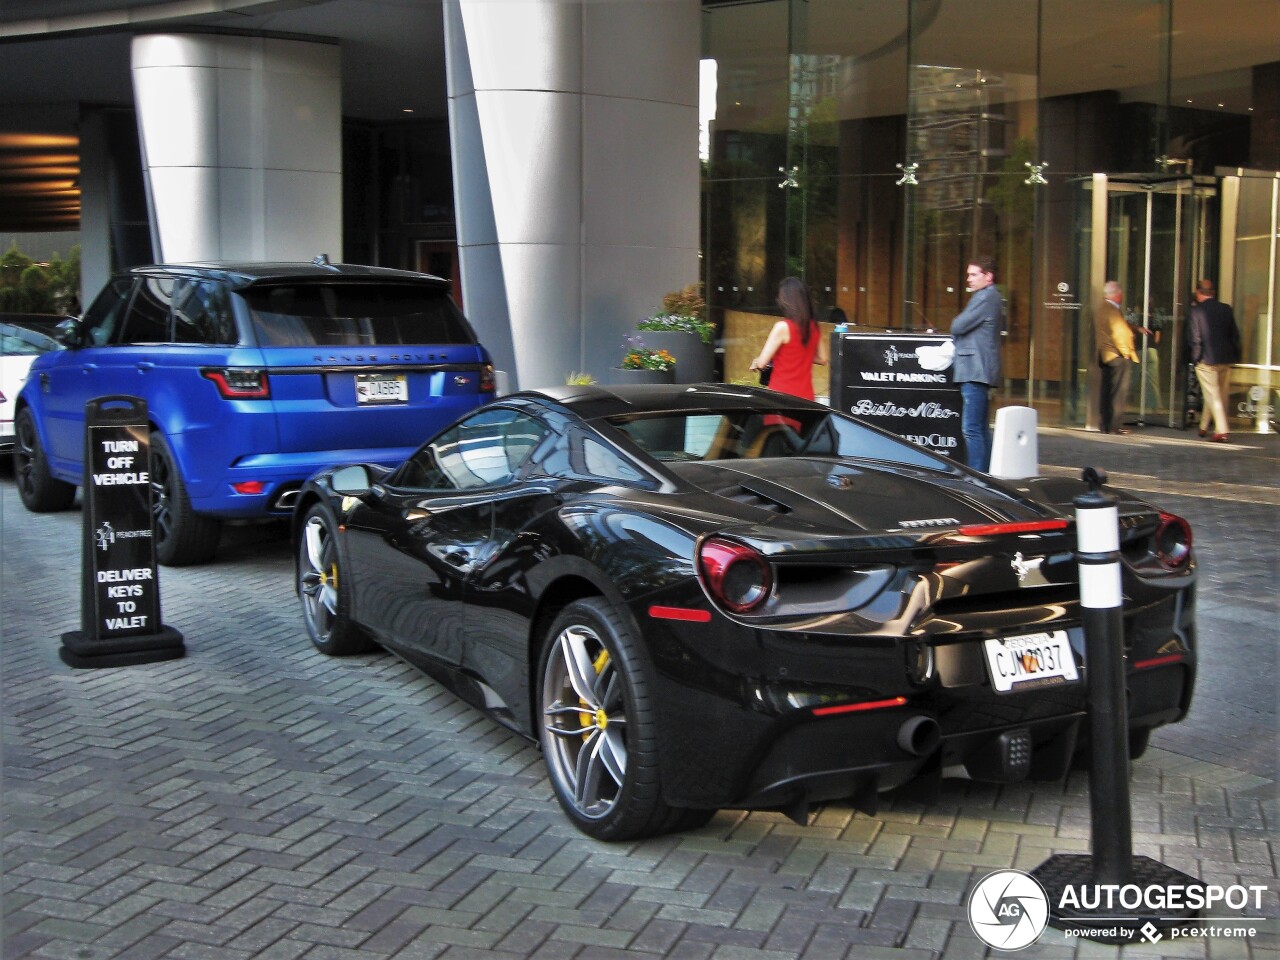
{"points": [[119, 593], [126, 600], [902, 383]]}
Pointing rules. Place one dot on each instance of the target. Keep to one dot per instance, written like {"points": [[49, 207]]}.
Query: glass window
{"points": [[18, 341], [202, 313], [757, 434], [354, 315], [103, 317], [148, 319], [599, 461], [485, 450]]}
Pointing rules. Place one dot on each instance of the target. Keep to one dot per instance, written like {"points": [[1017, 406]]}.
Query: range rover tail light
{"points": [[736, 576], [239, 383], [488, 380]]}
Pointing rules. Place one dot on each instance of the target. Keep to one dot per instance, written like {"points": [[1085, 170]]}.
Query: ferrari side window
{"points": [[599, 461], [485, 450]]}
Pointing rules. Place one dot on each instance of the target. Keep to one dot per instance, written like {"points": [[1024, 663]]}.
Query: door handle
{"points": [[459, 558], [144, 366]]}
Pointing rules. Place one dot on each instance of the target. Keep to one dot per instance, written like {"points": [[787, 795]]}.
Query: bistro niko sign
{"points": [[120, 593], [901, 382]]}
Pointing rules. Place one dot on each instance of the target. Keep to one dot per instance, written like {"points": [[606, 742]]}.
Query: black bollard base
{"points": [[1097, 911], [84, 652]]}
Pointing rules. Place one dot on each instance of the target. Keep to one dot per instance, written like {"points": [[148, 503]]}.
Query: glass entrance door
{"points": [[1160, 235]]}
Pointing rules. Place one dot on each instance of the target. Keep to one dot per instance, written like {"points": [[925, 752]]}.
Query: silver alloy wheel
{"points": [[585, 717], [318, 579]]}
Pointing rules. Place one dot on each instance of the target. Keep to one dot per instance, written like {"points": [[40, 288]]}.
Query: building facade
{"points": [[545, 155], [873, 150]]}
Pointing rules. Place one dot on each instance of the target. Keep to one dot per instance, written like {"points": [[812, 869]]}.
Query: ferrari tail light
{"points": [[736, 576], [1002, 529], [1173, 541], [239, 383]]}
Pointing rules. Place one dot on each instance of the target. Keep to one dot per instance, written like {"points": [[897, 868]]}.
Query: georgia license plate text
{"points": [[381, 388], [1033, 660]]}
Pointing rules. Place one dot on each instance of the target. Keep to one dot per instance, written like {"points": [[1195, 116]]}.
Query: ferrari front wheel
{"points": [[324, 591], [598, 728]]}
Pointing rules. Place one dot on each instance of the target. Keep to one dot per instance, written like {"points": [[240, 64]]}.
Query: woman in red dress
{"points": [[795, 343]]}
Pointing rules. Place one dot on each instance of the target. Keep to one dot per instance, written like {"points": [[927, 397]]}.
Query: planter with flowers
{"points": [[642, 363], [682, 332]]}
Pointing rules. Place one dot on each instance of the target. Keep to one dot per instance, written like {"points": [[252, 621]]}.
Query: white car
{"points": [[23, 337]]}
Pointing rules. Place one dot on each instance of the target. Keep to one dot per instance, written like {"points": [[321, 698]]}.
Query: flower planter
{"points": [[618, 377], [695, 360]]}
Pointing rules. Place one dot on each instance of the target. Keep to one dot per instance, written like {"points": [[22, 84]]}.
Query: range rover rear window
{"points": [[335, 315]]}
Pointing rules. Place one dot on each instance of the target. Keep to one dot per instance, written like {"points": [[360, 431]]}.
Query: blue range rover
{"points": [[255, 376]]}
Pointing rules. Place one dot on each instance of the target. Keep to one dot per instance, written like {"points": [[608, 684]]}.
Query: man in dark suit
{"points": [[1214, 341], [977, 330]]}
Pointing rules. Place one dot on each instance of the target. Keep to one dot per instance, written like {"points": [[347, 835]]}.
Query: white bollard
{"points": [[1015, 453]]}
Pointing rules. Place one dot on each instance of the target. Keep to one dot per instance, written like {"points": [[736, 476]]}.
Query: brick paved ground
{"points": [[256, 799]]}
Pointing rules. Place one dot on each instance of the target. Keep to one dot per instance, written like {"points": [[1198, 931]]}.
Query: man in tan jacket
{"points": [[1116, 352]]}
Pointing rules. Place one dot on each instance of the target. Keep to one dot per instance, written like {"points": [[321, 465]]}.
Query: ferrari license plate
{"points": [[1030, 661], [381, 388]]}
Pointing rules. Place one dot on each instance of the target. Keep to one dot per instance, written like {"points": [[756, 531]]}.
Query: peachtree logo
{"points": [[1008, 910]]}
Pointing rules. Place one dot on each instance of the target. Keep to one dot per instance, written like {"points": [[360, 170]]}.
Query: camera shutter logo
{"points": [[1008, 910]]}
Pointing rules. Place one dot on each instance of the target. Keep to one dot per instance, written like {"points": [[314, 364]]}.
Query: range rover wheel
{"points": [[183, 537], [40, 491], [324, 590], [599, 731]]}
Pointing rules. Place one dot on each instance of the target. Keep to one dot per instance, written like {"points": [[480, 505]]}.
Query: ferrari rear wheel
{"points": [[599, 732], [324, 591]]}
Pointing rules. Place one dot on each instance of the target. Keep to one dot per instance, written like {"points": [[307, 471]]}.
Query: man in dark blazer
{"points": [[1214, 341], [976, 330]]}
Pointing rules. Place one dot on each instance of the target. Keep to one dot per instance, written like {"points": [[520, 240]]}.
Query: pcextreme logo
{"points": [[1008, 910]]}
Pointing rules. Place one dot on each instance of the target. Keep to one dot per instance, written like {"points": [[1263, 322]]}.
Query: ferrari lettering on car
{"points": [[704, 597]]}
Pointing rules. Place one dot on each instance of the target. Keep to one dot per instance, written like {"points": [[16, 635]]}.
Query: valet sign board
{"points": [[120, 594], [900, 382], [126, 599]]}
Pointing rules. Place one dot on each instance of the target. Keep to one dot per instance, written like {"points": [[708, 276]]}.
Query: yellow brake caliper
{"points": [[599, 718]]}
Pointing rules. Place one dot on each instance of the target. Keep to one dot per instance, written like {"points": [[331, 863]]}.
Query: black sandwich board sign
{"points": [[901, 382], [120, 594]]}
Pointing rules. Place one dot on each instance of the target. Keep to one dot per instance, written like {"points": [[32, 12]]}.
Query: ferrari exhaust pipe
{"points": [[920, 736]]}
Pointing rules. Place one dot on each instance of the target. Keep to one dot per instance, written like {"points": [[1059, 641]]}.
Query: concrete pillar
{"points": [[242, 146], [575, 147]]}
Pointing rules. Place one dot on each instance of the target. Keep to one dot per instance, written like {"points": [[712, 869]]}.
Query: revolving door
{"points": [[1154, 235]]}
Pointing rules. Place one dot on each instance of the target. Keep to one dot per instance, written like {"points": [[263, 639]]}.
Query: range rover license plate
{"points": [[381, 388], [1030, 661]]}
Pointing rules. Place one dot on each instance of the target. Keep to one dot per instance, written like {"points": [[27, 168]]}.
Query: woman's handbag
{"points": [[765, 373]]}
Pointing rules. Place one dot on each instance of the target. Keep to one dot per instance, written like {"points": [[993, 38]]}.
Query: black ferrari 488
{"points": [[698, 597]]}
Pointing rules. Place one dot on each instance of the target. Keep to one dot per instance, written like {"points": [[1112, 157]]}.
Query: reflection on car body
{"points": [[712, 596]]}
